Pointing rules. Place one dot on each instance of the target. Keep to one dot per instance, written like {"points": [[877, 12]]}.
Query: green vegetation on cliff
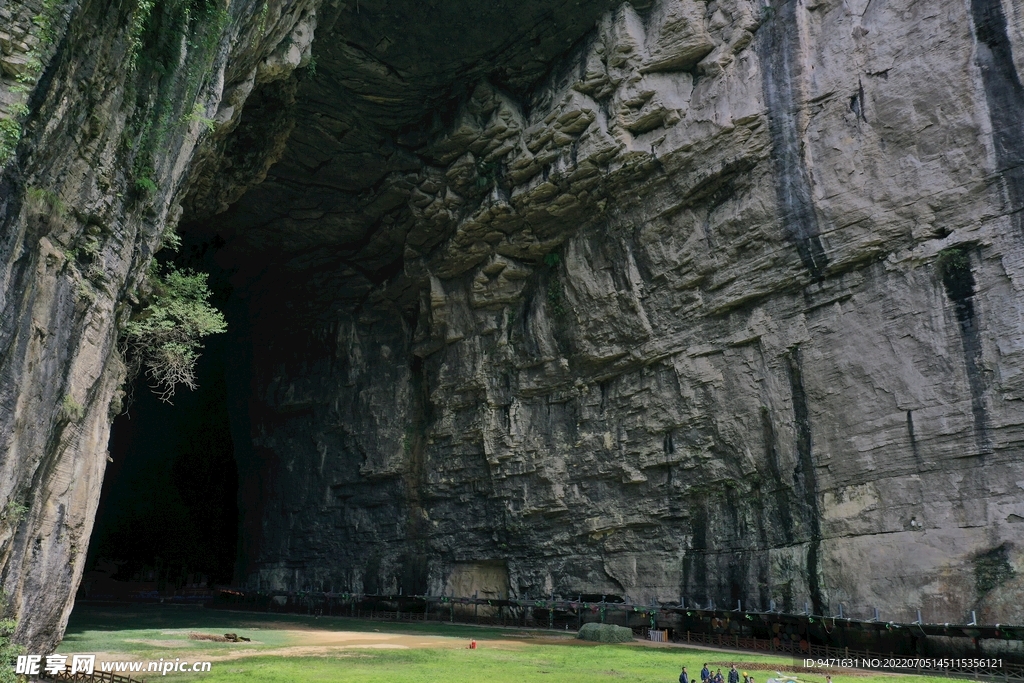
{"points": [[166, 335], [8, 651], [172, 47], [10, 134]]}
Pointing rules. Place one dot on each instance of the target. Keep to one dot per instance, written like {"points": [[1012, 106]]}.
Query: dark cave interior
{"points": [[299, 224], [168, 511], [168, 505]]}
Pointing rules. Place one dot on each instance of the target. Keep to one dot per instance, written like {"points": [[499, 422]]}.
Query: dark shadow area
{"points": [[168, 515]]}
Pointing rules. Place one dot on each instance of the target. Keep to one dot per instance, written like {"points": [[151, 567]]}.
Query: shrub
{"points": [[8, 651], [45, 202], [14, 513], [144, 184], [605, 633], [71, 409], [10, 134], [166, 336]]}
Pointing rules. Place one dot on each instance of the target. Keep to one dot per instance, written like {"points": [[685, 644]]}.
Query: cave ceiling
{"points": [[310, 192]]}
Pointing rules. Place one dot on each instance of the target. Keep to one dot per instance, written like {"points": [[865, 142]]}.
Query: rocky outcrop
{"points": [[713, 300], [725, 308], [110, 112]]}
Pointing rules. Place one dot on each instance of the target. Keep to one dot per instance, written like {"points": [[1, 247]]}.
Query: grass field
{"points": [[295, 649]]}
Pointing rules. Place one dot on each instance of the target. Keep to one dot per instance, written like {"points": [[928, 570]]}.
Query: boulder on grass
{"points": [[605, 633]]}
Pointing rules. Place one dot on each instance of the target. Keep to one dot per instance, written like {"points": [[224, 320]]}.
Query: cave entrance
{"points": [[168, 516]]}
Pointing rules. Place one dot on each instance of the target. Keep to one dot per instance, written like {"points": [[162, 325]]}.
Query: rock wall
{"points": [[104, 110], [715, 300], [726, 307]]}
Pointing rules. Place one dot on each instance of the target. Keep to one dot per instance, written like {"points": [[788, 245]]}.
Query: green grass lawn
{"points": [[96, 618], [152, 632]]}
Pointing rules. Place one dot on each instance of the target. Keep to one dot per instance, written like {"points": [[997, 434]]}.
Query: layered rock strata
{"points": [[726, 307]]}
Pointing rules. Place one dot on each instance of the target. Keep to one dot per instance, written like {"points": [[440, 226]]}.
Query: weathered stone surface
{"points": [[616, 299], [76, 235], [679, 332]]}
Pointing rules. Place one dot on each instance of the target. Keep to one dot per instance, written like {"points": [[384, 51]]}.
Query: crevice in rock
{"points": [[779, 49], [762, 558], [913, 439], [780, 489], [1005, 96], [954, 265], [806, 478], [695, 559], [414, 563]]}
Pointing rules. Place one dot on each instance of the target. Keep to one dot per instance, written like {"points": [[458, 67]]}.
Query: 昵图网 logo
{"points": [[30, 665]]}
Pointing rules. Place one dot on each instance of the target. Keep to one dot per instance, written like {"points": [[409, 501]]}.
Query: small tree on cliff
{"points": [[165, 337]]}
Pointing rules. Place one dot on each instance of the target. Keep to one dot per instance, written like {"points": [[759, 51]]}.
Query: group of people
{"points": [[707, 677]]}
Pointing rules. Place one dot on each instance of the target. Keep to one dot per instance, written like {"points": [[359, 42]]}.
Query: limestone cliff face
{"points": [[716, 300], [85, 200], [725, 307]]}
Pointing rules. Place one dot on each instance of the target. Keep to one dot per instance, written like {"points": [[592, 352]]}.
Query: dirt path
{"points": [[316, 643]]}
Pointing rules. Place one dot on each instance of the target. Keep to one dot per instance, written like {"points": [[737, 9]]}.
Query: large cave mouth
{"points": [[510, 296], [168, 516], [305, 216]]}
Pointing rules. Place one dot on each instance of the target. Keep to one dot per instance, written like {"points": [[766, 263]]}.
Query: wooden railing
{"points": [[95, 677], [798, 638]]}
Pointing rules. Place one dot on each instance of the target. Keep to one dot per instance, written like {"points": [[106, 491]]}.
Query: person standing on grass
{"points": [[684, 677], [705, 673], [718, 677], [734, 675]]}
